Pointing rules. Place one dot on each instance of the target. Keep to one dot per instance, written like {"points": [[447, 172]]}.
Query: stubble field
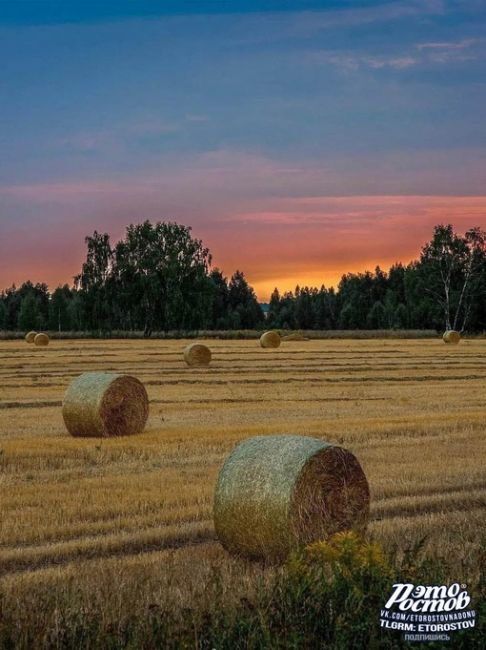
{"points": [[119, 526]]}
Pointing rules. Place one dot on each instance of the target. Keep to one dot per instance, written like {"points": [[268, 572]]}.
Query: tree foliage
{"points": [[159, 278]]}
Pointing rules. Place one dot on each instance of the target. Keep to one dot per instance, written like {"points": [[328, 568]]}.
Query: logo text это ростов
{"points": [[428, 599], [427, 613]]}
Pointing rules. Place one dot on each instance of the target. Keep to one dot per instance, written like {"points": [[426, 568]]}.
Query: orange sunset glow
{"points": [[298, 145], [288, 242]]}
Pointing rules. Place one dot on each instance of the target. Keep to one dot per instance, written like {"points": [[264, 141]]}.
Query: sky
{"points": [[300, 140]]}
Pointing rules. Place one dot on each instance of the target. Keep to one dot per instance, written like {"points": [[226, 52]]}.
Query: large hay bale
{"points": [[451, 336], [270, 339], [30, 336], [275, 493], [41, 339], [197, 354], [99, 404]]}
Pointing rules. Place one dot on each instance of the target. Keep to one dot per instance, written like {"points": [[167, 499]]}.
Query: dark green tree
{"points": [[13, 297], [377, 317], [161, 273], [59, 314], [29, 315], [92, 283], [274, 309], [3, 314], [76, 312], [304, 313], [245, 309], [220, 300], [400, 317]]}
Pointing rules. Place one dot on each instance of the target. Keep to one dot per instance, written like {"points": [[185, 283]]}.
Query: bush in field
{"points": [[330, 596]]}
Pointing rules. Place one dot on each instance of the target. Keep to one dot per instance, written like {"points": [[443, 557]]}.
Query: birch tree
{"points": [[452, 265]]}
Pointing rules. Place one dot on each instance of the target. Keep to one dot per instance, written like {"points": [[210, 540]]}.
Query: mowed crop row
{"points": [[82, 513]]}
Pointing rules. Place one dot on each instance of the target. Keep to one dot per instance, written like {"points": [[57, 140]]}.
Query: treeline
{"points": [[371, 300], [159, 278], [32, 307], [444, 289]]}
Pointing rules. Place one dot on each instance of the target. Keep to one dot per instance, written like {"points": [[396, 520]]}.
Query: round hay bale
{"points": [[99, 404], [276, 493], [270, 339], [451, 336], [30, 336], [41, 339], [197, 354]]}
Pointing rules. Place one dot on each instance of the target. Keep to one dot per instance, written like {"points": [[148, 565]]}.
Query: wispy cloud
{"points": [[434, 52], [124, 133], [350, 61], [227, 177], [301, 24], [458, 45], [269, 217], [447, 52]]}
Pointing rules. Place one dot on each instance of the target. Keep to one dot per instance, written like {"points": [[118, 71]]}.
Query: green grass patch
{"points": [[328, 596]]}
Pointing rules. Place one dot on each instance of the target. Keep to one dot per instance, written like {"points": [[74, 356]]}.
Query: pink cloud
{"points": [[286, 241], [260, 215], [316, 239]]}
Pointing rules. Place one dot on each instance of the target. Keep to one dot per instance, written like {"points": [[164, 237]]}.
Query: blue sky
{"points": [[226, 115], [37, 12]]}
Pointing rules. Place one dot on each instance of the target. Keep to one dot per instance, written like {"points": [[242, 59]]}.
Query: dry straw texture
{"points": [[41, 339], [451, 336], [295, 336], [30, 336], [88, 514], [275, 493], [99, 404], [197, 354], [270, 340]]}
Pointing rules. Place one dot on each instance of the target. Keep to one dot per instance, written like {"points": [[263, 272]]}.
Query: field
{"points": [[117, 526]]}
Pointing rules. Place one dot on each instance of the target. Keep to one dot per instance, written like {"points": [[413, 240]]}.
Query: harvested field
{"points": [[77, 514]]}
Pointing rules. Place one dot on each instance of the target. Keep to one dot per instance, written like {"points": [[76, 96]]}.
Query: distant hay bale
{"points": [[270, 339], [295, 336], [197, 354], [276, 493], [99, 404], [30, 336], [41, 339], [451, 336]]}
